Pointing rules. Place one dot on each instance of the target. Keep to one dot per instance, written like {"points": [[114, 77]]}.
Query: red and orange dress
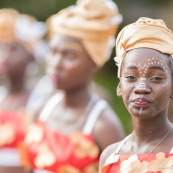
{"points": [[50, 150], [12, 132], [138, 163]]}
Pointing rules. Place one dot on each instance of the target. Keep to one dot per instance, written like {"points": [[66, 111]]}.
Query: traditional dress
{"points": [[48, 149], [138, 163], [12, 134]]}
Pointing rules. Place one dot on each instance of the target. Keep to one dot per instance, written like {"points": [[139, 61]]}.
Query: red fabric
{"points": [[16, 122], [61, 145]]}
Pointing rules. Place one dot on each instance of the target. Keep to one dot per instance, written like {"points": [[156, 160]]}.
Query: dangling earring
{"points": [[119, 92]]}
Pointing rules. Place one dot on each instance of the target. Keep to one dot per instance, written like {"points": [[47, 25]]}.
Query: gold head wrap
{"points": [[94, 22], [23, 28], [144, 33], [8, 19]]}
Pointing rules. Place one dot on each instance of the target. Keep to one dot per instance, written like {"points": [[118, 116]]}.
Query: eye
{"points": [[156, 78], [130, 77], [14, 47], [70, 55]]}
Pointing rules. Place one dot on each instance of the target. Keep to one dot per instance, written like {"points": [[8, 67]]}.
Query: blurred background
{"points": [[131, 10]]}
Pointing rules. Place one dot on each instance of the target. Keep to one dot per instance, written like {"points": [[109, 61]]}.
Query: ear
{"points": [[119, 90]]}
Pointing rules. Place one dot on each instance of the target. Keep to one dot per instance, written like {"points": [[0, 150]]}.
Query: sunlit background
{"points": [[131, 10]]}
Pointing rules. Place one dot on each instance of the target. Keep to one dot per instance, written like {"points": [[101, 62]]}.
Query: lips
{"points": [[142, 102], [54, 78]]}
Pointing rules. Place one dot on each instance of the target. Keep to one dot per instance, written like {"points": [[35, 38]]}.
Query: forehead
{"points": [[65, 42], [143, 56]]}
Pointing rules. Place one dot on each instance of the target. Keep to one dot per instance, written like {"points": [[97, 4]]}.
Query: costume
{"points": [[139, 35], [12, 134], [45, 148], [138, 163]]}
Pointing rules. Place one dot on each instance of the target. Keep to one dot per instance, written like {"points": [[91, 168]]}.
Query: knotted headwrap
{"points": [[23, 28], [94, 22], [144, 33]]}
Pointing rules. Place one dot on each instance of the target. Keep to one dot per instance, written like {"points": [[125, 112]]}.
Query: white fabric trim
{"points": [[92, 117], [171, 152], [9, 157], [121, 144], [45, 113]]}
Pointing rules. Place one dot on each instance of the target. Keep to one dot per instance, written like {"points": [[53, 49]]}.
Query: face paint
{"points": [[142, 84], [140, 111], [73, 46], [143, 69]]}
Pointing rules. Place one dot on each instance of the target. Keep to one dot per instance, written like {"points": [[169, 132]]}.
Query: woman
{"points": [[16, 53], [68, 136], [144, 56]]}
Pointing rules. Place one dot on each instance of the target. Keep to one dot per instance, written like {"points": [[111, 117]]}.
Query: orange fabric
{"points": [[94, 22], [45, 148], [146, 33], [155, 163], [12, 130]]}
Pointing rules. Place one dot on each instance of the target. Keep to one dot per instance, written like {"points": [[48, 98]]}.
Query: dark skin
{"points": [[71, 70], [151, 123], [14, 58]]}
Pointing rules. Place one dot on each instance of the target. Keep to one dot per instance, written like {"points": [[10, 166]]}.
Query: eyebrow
{"points": [[132, 67], [156, 68]]}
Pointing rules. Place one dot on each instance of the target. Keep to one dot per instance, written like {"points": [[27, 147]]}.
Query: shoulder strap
{"points": [[171, 152], [54, 100], [92, 117], [121, 144]]}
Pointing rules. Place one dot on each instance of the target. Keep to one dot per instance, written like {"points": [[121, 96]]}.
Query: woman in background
{"points": [[75, 125], [17, 47]]}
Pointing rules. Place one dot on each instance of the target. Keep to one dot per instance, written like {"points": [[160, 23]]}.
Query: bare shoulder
{"points": [[108, 128], [106, 153]]}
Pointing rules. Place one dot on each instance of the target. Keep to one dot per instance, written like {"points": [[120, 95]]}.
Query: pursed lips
{"points": [[142, 102]]}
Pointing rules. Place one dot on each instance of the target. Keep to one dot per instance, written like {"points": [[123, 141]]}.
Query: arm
{"points": [[105, 154], [108, 129]]}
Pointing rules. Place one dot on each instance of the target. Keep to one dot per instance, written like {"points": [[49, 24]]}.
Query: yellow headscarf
{"points": [[23, 28], [146, 33], [94, 22]]}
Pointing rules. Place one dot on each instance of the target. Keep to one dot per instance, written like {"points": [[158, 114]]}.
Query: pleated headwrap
{"points": [[94, 22], [144, 33]]}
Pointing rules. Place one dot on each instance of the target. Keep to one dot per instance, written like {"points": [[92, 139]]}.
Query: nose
{"points": [[142, 87], [56, 60]]}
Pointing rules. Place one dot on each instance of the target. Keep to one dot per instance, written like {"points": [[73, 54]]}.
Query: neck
{"points": [[79, 96], [15, 85], [147, 130]]}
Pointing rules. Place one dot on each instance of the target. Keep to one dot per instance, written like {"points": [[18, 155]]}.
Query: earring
{"points": [[119, 92]]}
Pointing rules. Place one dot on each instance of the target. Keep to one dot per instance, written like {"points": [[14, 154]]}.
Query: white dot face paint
{"points": [[143, 69], [145, 79], [140, 111]]}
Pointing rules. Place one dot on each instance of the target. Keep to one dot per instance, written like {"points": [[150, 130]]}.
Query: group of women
{"points": [[74, 130]]}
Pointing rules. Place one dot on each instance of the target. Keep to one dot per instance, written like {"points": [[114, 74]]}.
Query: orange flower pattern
{"points": [[42, 145], [156, 163]]}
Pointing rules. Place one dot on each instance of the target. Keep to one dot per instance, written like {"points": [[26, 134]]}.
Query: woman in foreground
{"points": [[144, 55]]}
